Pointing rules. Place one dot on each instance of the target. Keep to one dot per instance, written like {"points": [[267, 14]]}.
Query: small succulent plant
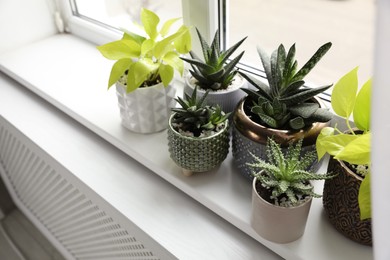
{"points": [[284, 174], [283, 104], [215, 71], [194, 116]]}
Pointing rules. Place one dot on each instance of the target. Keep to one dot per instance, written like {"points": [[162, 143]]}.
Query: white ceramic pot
{"points": [[146, 110], [275, 223], [226, 98]]}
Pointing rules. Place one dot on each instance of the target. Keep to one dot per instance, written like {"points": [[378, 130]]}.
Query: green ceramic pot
{"points": [[198, 154]]}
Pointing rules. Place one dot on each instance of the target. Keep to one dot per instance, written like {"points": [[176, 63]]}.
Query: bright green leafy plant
{"points": [[215, 71], [284, 174], [147, 60], [195, 117], [353, 146], [283, 103]]}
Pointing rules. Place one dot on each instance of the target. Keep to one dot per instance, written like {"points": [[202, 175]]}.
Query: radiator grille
{"points": [[78, 224]]}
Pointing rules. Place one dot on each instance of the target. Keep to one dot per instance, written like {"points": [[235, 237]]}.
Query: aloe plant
{"points": [[194, 116], [284, 174], [283, 102], [353, 147], [215, 71], [147, 60]]}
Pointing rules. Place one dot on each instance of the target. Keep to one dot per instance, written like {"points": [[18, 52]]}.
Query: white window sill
{"points": [[72, 75]]}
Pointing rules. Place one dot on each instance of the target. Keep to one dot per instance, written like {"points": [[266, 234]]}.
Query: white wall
{"points": [[25, 21]]}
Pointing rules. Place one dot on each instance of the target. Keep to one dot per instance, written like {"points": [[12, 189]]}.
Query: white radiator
{"points": [[80, 224]]}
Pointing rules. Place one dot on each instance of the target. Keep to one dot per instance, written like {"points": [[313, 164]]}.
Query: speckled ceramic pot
{"points": [[198, 154], [227, 99], [250, 137], [146, 110], [275, 223], [340, 199]]}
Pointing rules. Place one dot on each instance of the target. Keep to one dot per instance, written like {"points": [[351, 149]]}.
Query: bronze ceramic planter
{"points": [[198, 154], [340, 199], [251, 137], [275, 223]]}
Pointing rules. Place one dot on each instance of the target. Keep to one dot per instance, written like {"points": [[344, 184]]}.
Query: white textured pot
{"points": [[226, 98], [275, 223], [146, 110]]}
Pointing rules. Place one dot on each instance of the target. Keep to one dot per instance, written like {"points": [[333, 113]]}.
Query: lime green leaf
{"points": [[139, 72], [121, 49], [150, 21], [344, 94], [183, 43], [118, 69], [335, 144], [357, 151], [364, 198], [164, 46], [173, 60], [146, 47], [361, 112], [321, 150], [166, 73], [133, 36], [167, 26]]}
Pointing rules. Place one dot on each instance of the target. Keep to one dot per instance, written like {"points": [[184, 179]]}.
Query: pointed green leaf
{"points": [[173, 60], [205, 46], [150, 21], [167, 26], [120, 49], [304, 110], [266, 65], [364, 198], [362, 109], [139, 72], [183, 42], [127, 35], [146, 47], [357, 151], [118, 69], [166, 72], [344, 94], [333, 144], [325, 132]]}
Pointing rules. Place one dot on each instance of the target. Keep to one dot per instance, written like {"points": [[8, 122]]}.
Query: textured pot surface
{"points": [[227, 99], [198, 154], [250, 137], [340, 199], [278, 224], [146, 110]]}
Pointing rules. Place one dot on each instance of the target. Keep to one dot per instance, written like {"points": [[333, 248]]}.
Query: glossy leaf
{"points": [[120, 49], [361, 112], [150, 21], [327, 142], [146, 47], [344, 94], [364, 198], [166, 73], [357, 151], [167, 26], [173, 60], [183, 43], [118, 69]]}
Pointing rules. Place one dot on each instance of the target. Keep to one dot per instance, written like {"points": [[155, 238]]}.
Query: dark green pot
{"points": [[198, 154]]}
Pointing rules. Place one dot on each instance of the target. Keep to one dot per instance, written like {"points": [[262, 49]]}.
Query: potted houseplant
{"points": [[283, 109], [216, 73], [198, 136], [347, 197], [144, 68], [282, 192]]}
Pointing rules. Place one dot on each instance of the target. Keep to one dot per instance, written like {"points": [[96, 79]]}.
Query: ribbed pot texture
{"points": [[196, 154], [275, 223], [340, 200], [251, 137]]}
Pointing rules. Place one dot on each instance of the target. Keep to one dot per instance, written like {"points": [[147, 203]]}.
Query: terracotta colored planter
{"points": [[146, 110], [227, 99], [340, 199], [198, 154], [250, 137], [278, 224]]}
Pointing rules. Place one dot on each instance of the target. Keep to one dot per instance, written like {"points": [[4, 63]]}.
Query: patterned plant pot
{"points": [[275, 223], [250, 137], [198, 154], [227, 99], [146, 110], [340, 199]]}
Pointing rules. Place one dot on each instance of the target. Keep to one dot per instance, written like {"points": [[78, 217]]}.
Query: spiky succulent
{"points": [[194, 116], [215, 71], [283, 104], [284, 173]]}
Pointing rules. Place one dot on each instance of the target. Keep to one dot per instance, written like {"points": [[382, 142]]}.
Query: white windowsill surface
{"points": [[71, 74]]}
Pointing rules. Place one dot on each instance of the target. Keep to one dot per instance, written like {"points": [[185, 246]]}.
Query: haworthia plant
{"points": [[282, 104]]}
